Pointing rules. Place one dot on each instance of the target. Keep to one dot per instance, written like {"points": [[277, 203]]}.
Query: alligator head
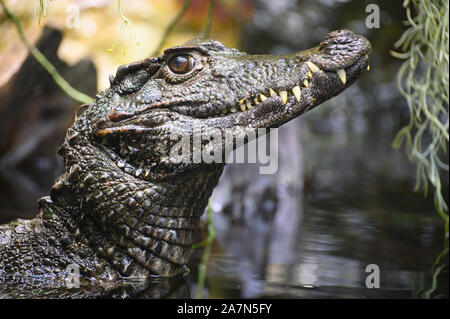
{"points": [[140, 207]]}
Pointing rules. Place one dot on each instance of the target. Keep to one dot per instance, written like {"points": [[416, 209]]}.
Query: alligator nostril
{"points": [[116, 116]]}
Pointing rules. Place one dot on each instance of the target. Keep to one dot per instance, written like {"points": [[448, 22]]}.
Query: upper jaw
{"points": [[317, 75], [340, 50], [278, 104]]}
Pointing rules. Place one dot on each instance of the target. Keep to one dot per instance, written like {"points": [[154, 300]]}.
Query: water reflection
{"points": [[329, 228]]}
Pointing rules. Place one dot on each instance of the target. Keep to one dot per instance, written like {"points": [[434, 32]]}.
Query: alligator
{"points": [[123, 207]]}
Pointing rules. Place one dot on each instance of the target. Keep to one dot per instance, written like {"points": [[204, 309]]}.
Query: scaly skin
{"points": [[123, 209]]}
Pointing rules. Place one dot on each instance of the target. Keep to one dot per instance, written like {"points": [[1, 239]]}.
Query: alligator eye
{"points": [[181, 64]]}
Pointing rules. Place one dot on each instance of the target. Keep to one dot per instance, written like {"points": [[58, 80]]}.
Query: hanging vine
{"points": [[423, 80]]}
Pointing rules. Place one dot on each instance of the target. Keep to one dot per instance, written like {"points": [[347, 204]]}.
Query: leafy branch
{"points": [[42, 9], [42, 60], [125, 27]]}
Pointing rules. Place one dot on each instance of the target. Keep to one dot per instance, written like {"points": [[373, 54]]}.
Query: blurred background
{"points": [[342, 197]]}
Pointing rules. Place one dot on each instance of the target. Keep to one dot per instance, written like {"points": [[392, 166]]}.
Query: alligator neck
{"points": [[139, 227]]}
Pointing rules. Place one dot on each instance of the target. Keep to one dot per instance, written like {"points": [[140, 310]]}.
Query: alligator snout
{"points": [[340, 50]]}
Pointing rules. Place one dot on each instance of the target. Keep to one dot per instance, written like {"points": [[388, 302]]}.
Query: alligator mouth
{"points": [[299, 90], [322, 72]]}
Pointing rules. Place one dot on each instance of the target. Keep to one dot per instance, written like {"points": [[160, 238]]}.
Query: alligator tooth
{"points": [[273, 93], [242, 107], [146, 173], [242, 101], [255, 100], [138, 172], [297, 92], [309, 74], [367, 56], [249, 105], [314, 68], [233, 110], [306, 83], [262, 97], [342, 76], [284, 96], [368, 67]]}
